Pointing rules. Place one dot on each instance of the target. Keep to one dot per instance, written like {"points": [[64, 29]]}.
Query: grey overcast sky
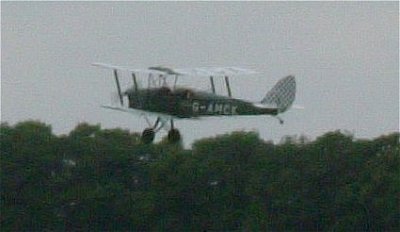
{"points": [[345, 56]]}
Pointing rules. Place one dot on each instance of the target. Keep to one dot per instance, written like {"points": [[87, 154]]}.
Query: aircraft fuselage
{"points": [[188, 103]]}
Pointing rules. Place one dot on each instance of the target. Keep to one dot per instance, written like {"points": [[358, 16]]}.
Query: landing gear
{"points": [[149, 133], [174, 136]]}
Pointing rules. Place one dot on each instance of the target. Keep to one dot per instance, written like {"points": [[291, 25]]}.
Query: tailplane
{"points": [[282, 95]]}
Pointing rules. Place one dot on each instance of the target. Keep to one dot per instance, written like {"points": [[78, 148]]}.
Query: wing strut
{"points": [[212, 84], [118, 87], [134, 81], [175, 81], [228, 87]]}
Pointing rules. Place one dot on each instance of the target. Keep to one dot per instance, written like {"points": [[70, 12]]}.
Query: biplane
{"points": [[164, 99]]}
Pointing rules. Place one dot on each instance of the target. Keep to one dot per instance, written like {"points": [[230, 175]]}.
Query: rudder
{"points": [[282, 94]]}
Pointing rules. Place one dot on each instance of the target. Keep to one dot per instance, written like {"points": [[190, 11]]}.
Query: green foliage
{"points": [[107, 180]]}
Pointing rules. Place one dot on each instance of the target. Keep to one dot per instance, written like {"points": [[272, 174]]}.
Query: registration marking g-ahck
{"points": [[214, 108]]}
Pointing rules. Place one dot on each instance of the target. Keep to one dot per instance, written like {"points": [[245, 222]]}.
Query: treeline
{"points": [[95, 179]]}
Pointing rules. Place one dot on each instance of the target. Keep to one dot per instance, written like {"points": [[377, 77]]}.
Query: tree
{"points": [[106, 179]]}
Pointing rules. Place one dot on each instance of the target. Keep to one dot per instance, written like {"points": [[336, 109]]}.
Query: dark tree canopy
{"points": [[106, 180]]}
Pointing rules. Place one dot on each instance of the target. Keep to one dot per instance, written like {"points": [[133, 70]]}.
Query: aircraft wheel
{"points": [[148, 135], [174, 136]]}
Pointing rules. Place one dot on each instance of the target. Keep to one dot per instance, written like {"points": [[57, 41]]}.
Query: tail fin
{"points": [[282, 94]]}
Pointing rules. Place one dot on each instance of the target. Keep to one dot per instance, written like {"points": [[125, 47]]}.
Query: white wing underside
{"points": [[129, 69], [203, 71], [214, 71]]}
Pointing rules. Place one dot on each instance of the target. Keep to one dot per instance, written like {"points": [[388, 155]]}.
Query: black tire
{"points": [[174, 136], [148, 135]]}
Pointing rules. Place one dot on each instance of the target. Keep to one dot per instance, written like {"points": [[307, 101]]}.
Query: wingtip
{"points": [[97, 64]]}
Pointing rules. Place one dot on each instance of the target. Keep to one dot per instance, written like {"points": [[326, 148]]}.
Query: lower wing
{"points": [[139, 112]]}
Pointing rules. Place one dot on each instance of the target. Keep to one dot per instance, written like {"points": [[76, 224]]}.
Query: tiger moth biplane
{"points": [[168, 102]]}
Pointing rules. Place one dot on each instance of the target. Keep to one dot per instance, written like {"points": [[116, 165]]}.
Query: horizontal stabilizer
{"points": [[298, 107]]}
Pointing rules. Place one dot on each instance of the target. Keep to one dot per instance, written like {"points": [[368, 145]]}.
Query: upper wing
{"points": [[204, 71], [129, 69], [214, 71]]}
